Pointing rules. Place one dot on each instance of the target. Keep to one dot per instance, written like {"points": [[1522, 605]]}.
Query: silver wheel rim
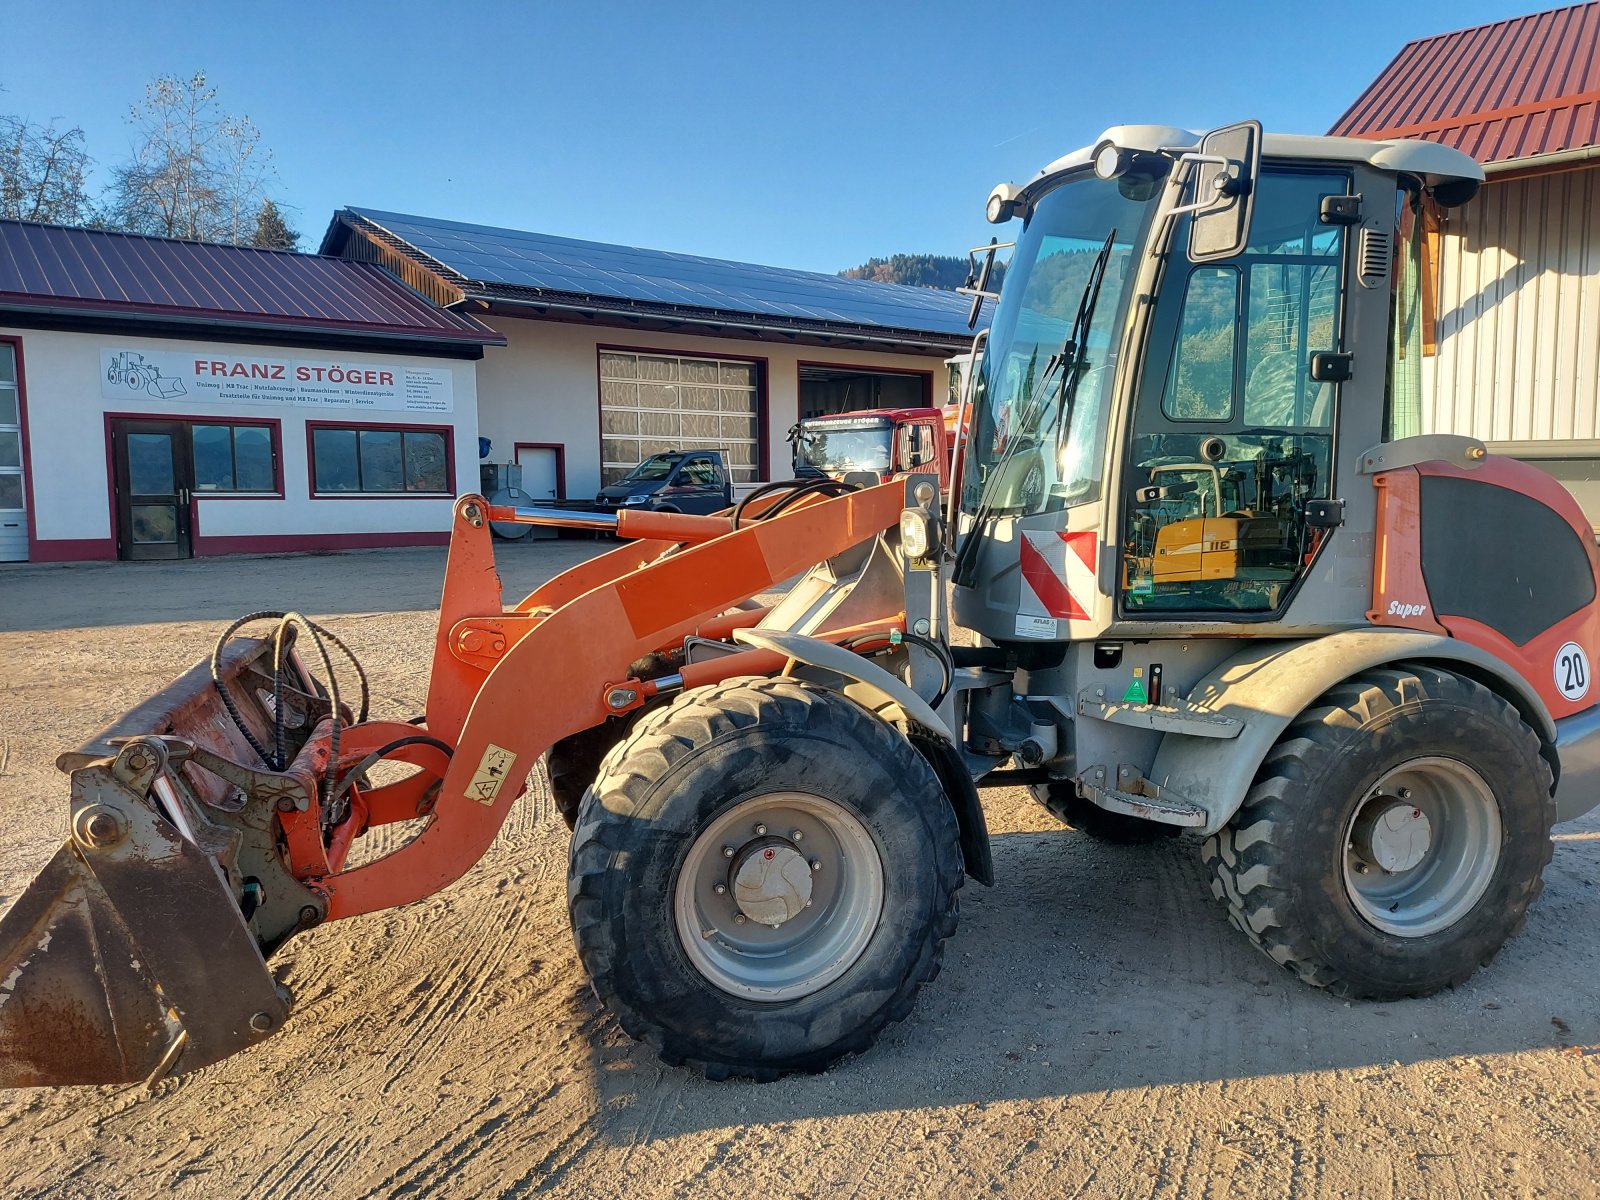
{"points": [[1422, 846], [809, 949]]}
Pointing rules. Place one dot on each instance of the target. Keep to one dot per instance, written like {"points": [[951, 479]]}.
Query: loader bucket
{"points": [[129, 957]]}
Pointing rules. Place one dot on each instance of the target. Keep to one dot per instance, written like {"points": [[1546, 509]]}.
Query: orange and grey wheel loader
{"points": [[1205, 571]]}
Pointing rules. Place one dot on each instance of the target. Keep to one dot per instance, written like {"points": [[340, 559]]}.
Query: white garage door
{"points": [[651, 403], [13, 519]]}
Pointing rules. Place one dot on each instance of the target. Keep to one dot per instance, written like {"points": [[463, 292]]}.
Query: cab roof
{"points": [[1429, 161]]}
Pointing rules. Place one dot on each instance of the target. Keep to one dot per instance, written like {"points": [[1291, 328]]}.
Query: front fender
{"points": [[1267, 685]]}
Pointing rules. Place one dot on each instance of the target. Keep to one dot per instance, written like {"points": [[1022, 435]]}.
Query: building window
{"points": [[11, 489], [234, 458], [383, 459], [656, 403]]}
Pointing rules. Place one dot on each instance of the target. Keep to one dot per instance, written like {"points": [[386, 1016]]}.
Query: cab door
{"points": [[1232, 438]]}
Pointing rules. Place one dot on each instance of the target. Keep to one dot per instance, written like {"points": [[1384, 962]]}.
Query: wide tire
{"points": [[1398, 912], [696, 779], [1062, 802]]}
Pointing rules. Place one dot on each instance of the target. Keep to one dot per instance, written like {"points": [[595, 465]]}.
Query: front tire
{"points": [[1394, 837], [718, 936]]}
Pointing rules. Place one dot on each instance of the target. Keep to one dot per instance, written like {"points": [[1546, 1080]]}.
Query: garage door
{"points": [[651, 403], [13, 519]]}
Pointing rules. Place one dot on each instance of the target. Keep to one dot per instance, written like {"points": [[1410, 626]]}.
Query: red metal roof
{"points": [[1509, 90], [66, 269]]}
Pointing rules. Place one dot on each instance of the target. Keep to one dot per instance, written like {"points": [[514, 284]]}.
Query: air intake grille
{"points": [[1375, 252]]}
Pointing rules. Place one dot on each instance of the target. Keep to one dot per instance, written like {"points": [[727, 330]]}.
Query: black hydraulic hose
{"points": [[381, 753], [277, 757], [798, 487]]}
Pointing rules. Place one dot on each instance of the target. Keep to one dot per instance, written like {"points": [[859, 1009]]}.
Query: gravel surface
{"points": [[1098, 1029]]}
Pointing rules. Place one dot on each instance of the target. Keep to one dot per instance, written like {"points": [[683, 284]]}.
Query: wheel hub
{"points": [[771, 882], [1393, 837]]}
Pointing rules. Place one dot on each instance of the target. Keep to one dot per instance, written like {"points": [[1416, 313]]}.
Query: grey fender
{"points": [[881, 693], [1267, 685]]}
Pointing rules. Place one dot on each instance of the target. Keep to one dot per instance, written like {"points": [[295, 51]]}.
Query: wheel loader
{"points": [[1203, 572]]}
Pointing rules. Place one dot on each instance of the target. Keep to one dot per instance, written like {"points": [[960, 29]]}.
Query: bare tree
{"points": [[44, 172], [195, 172]]}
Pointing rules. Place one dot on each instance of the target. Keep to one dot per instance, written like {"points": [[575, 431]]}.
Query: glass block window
{"points": [[651, 403], [11, 489]]}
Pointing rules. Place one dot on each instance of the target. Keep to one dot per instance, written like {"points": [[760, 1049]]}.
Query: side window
{"points": [[1200, 383], [1231, 437], [917, 444], [700, 472]]}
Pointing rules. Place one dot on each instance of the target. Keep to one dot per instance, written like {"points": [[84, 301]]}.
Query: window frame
{"points": [[759, 467], [360, 427], [274, 440]]}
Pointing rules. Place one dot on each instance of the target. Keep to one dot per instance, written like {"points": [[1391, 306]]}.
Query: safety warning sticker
{"points": [[1058, 577], [493, 770]]}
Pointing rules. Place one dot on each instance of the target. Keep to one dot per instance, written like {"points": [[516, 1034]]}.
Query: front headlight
{"points": [[643, 498], [916, 533]]}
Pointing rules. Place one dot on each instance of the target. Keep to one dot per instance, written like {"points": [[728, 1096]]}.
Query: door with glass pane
{"points": [[13, 516], [154, 481]]}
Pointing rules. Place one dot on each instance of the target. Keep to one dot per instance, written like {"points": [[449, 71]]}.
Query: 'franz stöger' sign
{"points": [[207, 377]]}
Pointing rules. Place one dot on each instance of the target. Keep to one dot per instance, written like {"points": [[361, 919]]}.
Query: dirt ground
{"points": [[1098, 1029]]}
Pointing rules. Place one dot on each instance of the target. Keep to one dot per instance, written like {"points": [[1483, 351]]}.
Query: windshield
{"points": [[653, 469], [840, 446], [1025, 460]]}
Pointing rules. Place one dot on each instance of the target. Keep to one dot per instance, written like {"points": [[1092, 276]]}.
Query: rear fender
{"points": [[1268, 685]]}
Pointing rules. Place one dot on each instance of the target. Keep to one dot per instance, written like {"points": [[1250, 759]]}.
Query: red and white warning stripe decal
{"points": [[1058, 576]]}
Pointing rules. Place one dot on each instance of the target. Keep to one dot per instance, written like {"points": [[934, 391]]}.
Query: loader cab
{"points": [[1197, 338]]}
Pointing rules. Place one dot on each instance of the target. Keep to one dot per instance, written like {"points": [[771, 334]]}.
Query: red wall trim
{"points": [[72, 550], [449, 460], [281, 543], [927, 376], [561, 461], [763, 417]]}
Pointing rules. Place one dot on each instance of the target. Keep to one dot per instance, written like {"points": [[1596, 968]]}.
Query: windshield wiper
{"points": [[1072, 361]]}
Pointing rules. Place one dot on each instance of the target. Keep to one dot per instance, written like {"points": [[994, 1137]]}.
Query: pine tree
{"points": [[272, 231]]}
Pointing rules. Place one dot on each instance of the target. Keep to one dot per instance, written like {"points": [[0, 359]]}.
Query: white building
{"points": [[615, 352], [162, 398], [1512, 289]]}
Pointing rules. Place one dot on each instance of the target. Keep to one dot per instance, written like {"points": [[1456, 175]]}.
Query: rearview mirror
{"points": [[1224, 175]]}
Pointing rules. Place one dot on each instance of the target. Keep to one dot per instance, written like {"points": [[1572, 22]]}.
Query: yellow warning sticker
{"points": [[493, 770]]}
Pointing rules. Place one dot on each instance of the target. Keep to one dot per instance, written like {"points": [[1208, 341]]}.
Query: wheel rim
{"points": [[1422, 846], [824, 890]]}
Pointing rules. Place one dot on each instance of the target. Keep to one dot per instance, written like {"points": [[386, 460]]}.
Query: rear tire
{"points": [[1394, 837], [1062, 801], [879, 859]]}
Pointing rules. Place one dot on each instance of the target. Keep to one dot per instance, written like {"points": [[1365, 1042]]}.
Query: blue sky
{"points": [[805, 135]]}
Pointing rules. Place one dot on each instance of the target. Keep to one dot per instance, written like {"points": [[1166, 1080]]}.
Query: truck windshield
{"points": [[653, 469], [1025, 458], [832, 446]]}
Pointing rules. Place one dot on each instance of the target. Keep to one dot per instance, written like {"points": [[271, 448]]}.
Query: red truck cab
{"points": [[872, 446]]}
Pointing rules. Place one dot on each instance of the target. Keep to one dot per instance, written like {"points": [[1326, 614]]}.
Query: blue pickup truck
{"points": [[686, 481]]}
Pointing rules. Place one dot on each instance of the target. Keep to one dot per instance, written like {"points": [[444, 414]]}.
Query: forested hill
{"points": [[944, 271]]}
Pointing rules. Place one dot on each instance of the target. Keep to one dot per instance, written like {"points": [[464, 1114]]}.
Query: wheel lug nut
{"points": [[1405, 793], [721, 889], [777, 924], [727, 852], [808, 904], [739, 918], [796, 836], [761, 831], [816, 864]]}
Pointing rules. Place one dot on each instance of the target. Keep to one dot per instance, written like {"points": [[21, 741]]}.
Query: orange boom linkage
{"points": [[141, 950]]}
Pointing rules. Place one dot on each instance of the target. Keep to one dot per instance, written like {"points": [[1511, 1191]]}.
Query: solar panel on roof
{"points": [[514, 258]]}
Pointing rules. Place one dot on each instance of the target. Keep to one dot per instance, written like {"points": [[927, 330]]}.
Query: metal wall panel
{"points": [[1519, 314]]}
